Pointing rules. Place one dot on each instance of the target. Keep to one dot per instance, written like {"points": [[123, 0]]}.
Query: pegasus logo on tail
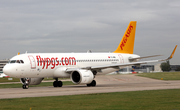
{"points": [[127, 42], [123, 43]]}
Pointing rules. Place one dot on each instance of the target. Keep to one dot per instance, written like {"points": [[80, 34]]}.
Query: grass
{"points": [[164, 75], [136, 100], [19, 85], [6, 80]]}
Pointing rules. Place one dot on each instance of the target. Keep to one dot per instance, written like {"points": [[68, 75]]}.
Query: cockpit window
{"points": [[16, 61], [12, 61], [22, 61]]}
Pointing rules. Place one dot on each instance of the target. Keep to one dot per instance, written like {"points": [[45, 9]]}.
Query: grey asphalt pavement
{"points": [[105, 84]]}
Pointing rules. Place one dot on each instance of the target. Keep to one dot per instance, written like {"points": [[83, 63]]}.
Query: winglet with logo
{"points": [[172, 54]]}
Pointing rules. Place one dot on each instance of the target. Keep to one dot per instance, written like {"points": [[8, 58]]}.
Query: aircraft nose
{"points": [[6, 70]]}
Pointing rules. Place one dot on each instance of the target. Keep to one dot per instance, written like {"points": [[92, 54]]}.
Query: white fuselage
{"points": [[55, 64]]}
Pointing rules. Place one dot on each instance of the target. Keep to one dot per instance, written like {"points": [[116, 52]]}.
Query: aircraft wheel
{"points": [[55, 84], [93, 83], [25, 86], [88, 85], [59, 83]]}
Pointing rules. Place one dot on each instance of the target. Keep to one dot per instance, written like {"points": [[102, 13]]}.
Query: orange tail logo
{"points": [[127, 43]]}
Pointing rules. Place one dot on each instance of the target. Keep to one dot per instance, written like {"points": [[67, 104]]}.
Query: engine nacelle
{"points": [[31, 81], [82, 76], [60, 73]]}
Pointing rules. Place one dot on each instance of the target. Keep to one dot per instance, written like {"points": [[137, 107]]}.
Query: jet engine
{"points": [[82, 76], [31, 81]]}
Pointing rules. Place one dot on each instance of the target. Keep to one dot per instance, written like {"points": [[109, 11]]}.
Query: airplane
{"points": [[81, 68]]}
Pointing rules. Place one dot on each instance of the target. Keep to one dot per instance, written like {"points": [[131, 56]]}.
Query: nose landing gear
{"points": [[25, 82], [25, 86]]}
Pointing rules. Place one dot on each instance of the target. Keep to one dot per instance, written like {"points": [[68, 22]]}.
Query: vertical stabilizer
{"points": [[127, 43]]}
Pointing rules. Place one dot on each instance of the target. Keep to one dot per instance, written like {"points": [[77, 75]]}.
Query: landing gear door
{"points": [[32, 61]]}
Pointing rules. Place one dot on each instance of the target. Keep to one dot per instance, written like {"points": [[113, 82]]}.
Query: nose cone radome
{"points": [[7, 70]]}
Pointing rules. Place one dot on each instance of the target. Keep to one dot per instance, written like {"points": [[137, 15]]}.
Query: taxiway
{"points": [[105, 84]]}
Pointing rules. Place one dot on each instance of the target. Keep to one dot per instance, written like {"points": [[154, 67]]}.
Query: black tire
{"points": [[23, 87], [55, 84], [88, 85], [59, 83], [93, 83], [26, 86]]}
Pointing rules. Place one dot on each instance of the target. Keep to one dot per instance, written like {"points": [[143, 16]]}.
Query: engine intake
{"points": [[82, 76]]}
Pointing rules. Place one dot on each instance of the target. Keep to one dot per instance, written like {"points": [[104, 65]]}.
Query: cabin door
{"points": [[32, 61]]}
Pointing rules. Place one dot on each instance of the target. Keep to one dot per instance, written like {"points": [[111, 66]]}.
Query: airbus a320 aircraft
{"points": [[81, 68]]}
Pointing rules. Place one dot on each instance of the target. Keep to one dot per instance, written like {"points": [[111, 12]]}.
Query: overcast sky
{"points": [[80, 25]]}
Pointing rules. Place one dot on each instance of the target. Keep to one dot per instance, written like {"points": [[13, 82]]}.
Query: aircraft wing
{"points": [[112, 65], [138, 58], [121, 64]]}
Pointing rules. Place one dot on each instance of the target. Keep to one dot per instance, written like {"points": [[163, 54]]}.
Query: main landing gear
{"points": [[93, 83], [57, 83]]}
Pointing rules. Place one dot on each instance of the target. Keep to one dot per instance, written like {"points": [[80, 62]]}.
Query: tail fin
{"points": [[127, 43]]}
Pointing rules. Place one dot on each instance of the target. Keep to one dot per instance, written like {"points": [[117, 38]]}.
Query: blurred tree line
{"points": [[165, 66]]}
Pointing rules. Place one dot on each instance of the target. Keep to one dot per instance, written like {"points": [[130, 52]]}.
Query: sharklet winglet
{"points": [[172, 54]]}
